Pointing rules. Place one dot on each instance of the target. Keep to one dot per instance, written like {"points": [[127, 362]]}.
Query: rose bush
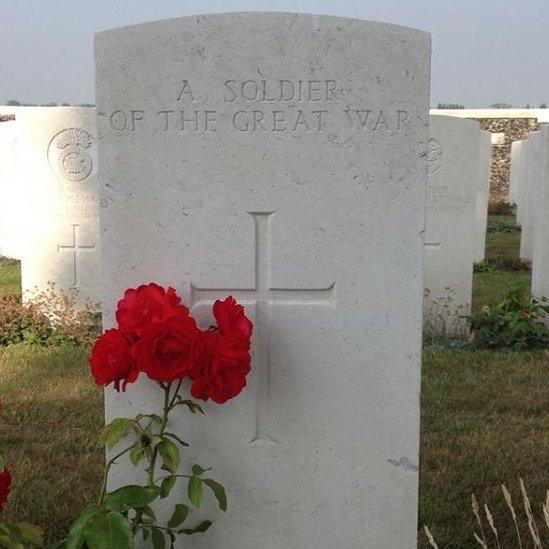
{"points": [[157, 336]]}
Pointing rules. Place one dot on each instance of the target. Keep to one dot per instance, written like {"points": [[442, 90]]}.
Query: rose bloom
{"points": [[220, 371], [142, 306], [230, 318], [5, 486], [167, 350], [111, 360]]}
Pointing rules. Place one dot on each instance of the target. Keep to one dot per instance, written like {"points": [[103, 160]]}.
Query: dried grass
{"points": [[528, 513]]}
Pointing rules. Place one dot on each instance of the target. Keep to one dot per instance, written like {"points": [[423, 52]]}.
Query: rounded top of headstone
{"points": [[320, 21]]}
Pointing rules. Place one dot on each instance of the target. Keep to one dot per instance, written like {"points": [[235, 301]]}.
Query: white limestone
{"points": [[540, 259], [498, 138], [251, 152], [515, 173], [533, 177], [483, 192], [57, 167], [542, 115], [10, 202], [451, 230]]}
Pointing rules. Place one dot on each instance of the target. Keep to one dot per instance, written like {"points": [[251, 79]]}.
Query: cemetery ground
{"points": [[485, 418]]}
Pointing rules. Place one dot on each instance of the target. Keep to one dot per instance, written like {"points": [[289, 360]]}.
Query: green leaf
{"points": [[197, 470], [147, 512], [158, 539], [175, 437], [179, 516], [115, 431], [218, 492], [107, 531], [202, 527], [31, 533], [2, 462], [137, 454], [145, 533], [194, 491], [170, 454], [154, 417], [191, 405], [166, 487], [130, 496], [75, 538]]}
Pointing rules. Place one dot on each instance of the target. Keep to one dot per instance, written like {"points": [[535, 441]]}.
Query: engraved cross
{"points": [[74, 248], [263, 297]]}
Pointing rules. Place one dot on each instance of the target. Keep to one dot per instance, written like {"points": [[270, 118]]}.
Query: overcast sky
{"points": [[484, 51]]}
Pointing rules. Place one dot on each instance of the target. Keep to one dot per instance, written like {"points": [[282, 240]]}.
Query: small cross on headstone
{"points": [[74, 248], [264, 296]]}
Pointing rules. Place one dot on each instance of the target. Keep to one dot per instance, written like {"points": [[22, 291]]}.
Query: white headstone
{"points": [[521, 177], [514, 180], [10, 203], [57, 166], [281, 158], [483, 193], [451, 221], [540, 260], [533, 177], [497, 138]]}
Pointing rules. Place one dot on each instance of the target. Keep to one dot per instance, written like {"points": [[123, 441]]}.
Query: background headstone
{"points": [[483, 192], [540, 259], [514, 183], [10, 189], [57, 166], [533, 177], [299, 188], [451, 233]]}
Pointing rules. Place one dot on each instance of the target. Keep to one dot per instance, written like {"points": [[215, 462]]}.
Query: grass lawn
{"points": [[10, 276], [51, 416], [487, 286], [485, 419]]}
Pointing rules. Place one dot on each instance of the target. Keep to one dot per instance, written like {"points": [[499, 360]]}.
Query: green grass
{"points": [[51, 416], [487, 286], [10, 276], [485, 419], [499, 245]]}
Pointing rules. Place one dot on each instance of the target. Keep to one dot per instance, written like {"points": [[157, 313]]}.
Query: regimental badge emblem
{"points": [[70, 154], [434, 156]]}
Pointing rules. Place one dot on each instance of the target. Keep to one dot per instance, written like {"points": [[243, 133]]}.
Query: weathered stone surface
{"points": [[57, 164], [451, 229], [281, 158], [515, 172], [540, 252], [533, 183], [483, 193], [10, 203]]}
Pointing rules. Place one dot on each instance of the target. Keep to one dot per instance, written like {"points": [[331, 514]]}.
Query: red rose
{"points": [[231, 319], [167, 349], [142, 306], [111, 360], [5, 486], [221, 368]]}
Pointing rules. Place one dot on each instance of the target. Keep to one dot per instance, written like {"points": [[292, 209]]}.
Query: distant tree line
{"points": [[509, 106], [15, 103], [450, 106]]}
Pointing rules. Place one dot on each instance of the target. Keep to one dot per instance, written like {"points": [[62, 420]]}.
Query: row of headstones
{"points": [[50, 206], [280, 158], [49, 212], [529, 190]]}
